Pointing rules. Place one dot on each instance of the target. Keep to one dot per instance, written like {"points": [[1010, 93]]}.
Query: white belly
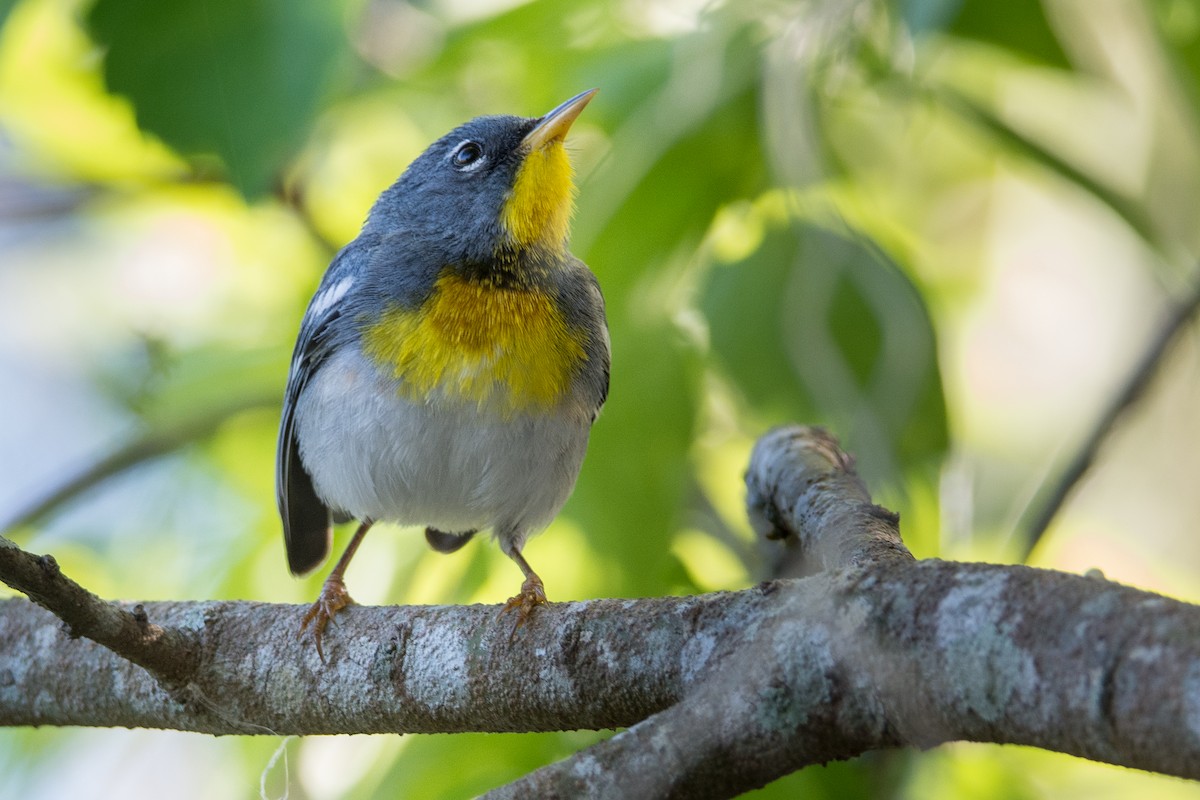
{"points": [[445, 464]]}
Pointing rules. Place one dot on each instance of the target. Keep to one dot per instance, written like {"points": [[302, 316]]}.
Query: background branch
{"points": [[1174, 323], [145, 446]]}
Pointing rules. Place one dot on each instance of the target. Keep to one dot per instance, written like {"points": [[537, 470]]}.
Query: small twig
{"points": [[166, 653], [292, 196], [1176, 320], [802, 487]]}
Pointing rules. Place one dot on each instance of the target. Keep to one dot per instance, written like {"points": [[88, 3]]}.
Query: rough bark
{"points": [[719, 693]]}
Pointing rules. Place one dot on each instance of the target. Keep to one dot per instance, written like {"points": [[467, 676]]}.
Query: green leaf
{"points": [[6, 7], [1178, 24], [696, 168], [469, 764], [1018, 26], [675, 162], [744, 304], [241, 80], [631, 492]]}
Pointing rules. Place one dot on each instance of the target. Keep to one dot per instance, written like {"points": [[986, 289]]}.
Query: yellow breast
{"points": [[496, 346]]}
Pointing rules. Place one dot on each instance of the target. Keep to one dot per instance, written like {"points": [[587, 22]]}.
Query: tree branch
{"points": [[877, 651], [719, 693], [166, 653], [802, 487], [800, 671]]}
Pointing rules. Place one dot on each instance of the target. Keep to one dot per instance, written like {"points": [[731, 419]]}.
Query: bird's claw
{"points": [[333, 598], [532, 595]]}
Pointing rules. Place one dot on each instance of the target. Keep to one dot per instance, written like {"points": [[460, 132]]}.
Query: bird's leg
{"points": [[333, 597], [532, 595]]}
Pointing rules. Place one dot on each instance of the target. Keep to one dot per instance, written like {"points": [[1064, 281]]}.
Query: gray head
{"points": [[495, 185]]}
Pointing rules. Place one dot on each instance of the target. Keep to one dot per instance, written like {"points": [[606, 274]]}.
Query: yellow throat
{"points": [[538, 211]]}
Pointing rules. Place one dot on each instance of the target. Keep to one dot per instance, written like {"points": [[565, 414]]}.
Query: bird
{"points": [[452, 361]]}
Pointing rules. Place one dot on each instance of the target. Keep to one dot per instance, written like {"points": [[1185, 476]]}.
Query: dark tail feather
{"points": [[447, 542], [307, 529]]}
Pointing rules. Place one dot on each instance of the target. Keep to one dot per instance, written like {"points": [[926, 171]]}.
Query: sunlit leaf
{"points": [[637, 473], [424, 769]]}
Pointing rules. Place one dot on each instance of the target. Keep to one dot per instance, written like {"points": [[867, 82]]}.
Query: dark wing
{"points": [[307, 520], [583, 305], [604, 361]]}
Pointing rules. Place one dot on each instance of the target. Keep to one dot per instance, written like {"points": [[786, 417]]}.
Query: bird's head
{"points": [[491, 188]]}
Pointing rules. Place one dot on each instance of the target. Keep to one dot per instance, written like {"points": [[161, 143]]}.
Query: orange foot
{"points": [[333, 599], [533, 594]]}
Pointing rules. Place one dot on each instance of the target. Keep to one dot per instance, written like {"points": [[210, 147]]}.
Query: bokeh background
{"points": [[945, 229]]}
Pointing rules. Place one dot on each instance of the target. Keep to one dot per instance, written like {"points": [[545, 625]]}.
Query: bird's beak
{"points": [[554, 126]]}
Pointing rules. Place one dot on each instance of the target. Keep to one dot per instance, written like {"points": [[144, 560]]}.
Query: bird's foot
{"points": [[333, 598], [532, 595]]}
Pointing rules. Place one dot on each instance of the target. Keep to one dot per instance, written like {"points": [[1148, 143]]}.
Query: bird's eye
{"points": [[466, 154]]}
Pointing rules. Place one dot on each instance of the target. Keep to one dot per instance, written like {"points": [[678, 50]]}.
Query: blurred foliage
{"points": [[1018, 26], [789, 206], [220, 78], [815, 325]]}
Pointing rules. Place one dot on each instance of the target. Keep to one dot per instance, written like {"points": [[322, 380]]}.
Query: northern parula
{"points": [[452, 361]]}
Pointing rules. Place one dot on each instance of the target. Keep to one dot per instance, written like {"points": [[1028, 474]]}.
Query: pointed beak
{"points": [[554, 126]]}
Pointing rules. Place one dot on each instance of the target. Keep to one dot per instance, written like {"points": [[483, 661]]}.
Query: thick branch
{"points": [[912, 653], [989, 658], [721, 692], [788, 674], [601, 664]]}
